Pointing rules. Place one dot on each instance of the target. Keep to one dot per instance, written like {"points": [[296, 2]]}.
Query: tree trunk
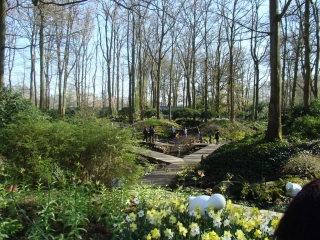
{"points": [[2, 40], [42, 77], [274, 130], [307, 49]]}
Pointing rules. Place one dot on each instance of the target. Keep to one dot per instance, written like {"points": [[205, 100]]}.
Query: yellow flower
{"points": [[133, 227], [205, 236], [182, 230], [197, 209], [132, 216], [240, 235], [210, 208], [274, 223], [168, 233], [182, 208], [255, 211], [172, 219], [227, 234], [257, 233], [249, 226], [155, 233], [257, 221], [242, 222], [213, 235], [148, 237]]}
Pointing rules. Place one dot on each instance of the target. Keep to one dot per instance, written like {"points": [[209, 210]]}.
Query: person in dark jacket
{"points": [[145, 133], [217, 136], [302, 217]]}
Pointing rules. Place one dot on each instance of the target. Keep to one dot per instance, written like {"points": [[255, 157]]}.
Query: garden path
{"points": [[165, 173]]}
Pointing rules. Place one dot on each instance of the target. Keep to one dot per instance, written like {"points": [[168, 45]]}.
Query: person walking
{"points": [[145, 133], [185, 132], [152, 132], [172, 132], [217, 136]]}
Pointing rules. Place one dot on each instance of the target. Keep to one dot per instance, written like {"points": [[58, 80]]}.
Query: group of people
{"points": [[174, 134], [149, 134]]}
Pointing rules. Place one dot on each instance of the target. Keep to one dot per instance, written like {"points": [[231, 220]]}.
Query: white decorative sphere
{"points": [[293, 189], [198, 201], [217, 201]]}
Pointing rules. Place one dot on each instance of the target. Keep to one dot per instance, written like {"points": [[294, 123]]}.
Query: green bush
{"points": [[185, 113], [11, 104], [251, 159], [150, 112], [94, 151], [306, 127]]}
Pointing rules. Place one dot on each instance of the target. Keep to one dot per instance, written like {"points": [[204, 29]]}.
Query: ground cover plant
{"points": [[83, 211]]}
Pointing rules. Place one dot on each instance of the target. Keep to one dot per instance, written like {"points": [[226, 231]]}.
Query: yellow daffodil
{"points": [[257, 233], [274, 223], [168, 233], [132, 216], [255, 211], [155, 233], [172, 219], [133, 227], [240, 235]]}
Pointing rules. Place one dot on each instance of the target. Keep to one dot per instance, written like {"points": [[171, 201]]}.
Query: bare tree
{"points": [[274, 129]]}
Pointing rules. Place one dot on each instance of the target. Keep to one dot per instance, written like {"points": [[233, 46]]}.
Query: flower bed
{"points": [[169, 218]]}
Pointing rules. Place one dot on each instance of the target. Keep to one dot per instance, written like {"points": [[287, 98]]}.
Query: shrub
{"points": [[251, 159], [150, 112], [306, 127], [91, 150], [304, 165], [185, 113], [11, 104]]}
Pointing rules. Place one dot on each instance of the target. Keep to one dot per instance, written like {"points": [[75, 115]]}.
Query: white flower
{"points": [[141, 213], [136, 200], [193, 213], [151, 219], [128, 218], [195, 230], [226, 238], [226, 222], [217, 222], [211, 214]]}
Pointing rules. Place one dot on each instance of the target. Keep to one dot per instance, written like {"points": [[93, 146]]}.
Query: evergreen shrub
{"points": [[93, 151]]}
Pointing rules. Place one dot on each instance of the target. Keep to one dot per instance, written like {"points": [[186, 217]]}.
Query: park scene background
{"points": [[80, 79]]}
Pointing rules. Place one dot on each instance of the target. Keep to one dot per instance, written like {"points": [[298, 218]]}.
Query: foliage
{"points": [[13, 103], [150, 112], [300, 126], [161, 126], [232, 130], [124, 114], [305, 127], [304, 165], [251, 159], [210, 114], [185, 113], [91, 150]]}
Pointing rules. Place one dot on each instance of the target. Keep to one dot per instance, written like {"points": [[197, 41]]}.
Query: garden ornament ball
{"points": [[293, 189], [217, 201]]}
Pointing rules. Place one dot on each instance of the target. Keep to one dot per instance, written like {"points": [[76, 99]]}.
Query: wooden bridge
{"points": [[171, 166]]}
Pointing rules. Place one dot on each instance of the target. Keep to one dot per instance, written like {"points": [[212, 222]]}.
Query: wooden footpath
{"points": [[164, 175]]}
